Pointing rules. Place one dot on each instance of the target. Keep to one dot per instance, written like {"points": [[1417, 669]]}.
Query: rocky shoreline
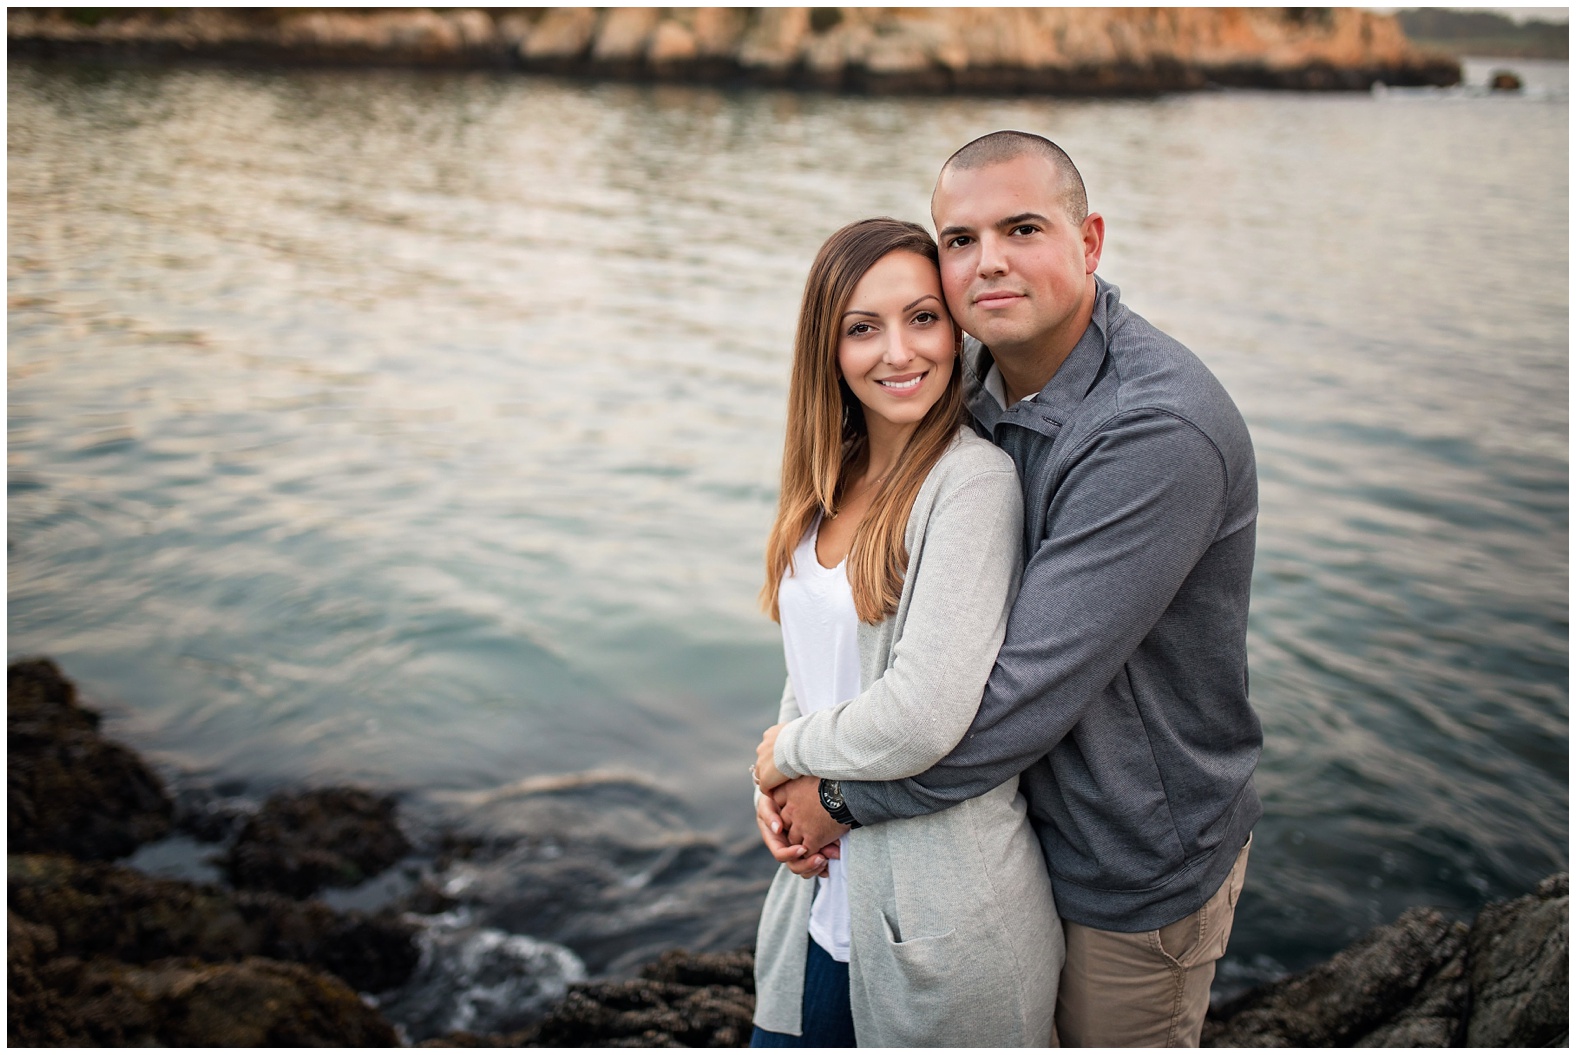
{"points": [[99, 953], [1043, 51]]}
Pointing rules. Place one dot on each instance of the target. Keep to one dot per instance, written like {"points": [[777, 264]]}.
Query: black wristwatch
{"points": [[832, 802]]}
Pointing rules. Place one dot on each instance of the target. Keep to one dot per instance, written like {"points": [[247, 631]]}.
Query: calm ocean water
{"points": [[422, 430]]}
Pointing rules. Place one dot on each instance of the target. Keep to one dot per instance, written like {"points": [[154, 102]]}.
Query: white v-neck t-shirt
{"points": [[821, 644]]}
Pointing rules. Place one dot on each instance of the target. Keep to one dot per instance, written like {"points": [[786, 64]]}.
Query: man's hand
{"points": [[767, 775], [799, 804], [799, 861]]}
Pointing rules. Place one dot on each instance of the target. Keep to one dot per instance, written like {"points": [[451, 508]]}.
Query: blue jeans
{"points": [[827, 1019]]}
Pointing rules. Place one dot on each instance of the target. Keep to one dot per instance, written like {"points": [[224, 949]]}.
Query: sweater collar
{"points": [[1066, 389]]}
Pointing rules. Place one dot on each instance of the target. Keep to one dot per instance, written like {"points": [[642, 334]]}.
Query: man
{"points": [[1121, 691]]}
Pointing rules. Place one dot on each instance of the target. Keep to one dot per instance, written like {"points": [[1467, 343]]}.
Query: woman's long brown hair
{"points": [[827, 441]]}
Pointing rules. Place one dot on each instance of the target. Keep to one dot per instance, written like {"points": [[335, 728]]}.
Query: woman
{"points": [[891, 568]]}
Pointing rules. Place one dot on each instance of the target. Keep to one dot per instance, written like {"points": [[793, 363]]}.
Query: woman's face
{"points": [[897, 342]]}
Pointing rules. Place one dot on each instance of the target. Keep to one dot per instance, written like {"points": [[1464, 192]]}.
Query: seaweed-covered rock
{"points": [[680, 966], [299, 843], [69, 790], [188, 1003], [35, 1013], [644, 1013], [1520, 956], [108, 910]]}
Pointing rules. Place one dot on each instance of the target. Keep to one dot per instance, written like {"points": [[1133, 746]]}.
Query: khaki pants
{"points": [[1149, 989]]}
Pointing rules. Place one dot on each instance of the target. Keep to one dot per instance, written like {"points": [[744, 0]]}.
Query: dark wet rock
{"points": [[1504, 81], [1520, 957], [1344, 999], [299, 843], [1424, 981], [69, 790], [1433, 1018], [179, 1002], [89, 909]]}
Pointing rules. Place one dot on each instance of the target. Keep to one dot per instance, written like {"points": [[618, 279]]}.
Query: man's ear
{"points": [[1093, 231]]}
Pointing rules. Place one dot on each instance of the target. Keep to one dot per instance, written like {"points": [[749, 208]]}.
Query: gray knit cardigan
{"points": [[956, 940]]}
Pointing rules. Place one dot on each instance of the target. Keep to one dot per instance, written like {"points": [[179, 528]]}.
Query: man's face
{"points": [[1014, 266]]}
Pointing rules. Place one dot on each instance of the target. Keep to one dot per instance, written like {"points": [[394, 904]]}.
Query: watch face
{"points": [[832, 795]]}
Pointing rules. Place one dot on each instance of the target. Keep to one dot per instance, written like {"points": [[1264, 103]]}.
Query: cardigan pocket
{"points": [[918, 995], [931, 993]]}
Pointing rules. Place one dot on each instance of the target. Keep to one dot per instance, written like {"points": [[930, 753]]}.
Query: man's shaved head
{"points": [[999, 147]]}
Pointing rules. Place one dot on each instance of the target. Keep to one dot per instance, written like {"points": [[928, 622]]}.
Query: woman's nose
{"points": [[897, 351]]}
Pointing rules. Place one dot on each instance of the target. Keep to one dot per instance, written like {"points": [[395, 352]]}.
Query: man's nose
{"points": [[993, 256]]}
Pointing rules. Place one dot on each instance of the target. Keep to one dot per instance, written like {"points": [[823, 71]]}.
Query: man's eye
{"points": [[1025, 228], [959, 241]]}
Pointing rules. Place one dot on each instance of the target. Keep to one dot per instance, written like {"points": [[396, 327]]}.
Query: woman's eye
{"points": [[859, 329], [925, 316]]}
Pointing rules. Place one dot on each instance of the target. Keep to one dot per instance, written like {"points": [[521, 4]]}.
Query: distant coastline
{"points": [[1485, 34], [1040, 51]]}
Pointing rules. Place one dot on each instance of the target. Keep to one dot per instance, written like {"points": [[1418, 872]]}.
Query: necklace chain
{"points": [[878, 482]]}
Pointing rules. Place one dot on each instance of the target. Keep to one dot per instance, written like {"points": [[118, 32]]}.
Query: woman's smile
{"points": [[903, 384]]}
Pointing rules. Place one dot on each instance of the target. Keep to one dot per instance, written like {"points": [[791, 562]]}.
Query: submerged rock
{"points": [[69, 790], [299, 843], [685, 1000], [478, 979]]}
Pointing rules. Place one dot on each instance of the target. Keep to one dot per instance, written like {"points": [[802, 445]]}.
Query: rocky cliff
{"points": [[1077, 51]]}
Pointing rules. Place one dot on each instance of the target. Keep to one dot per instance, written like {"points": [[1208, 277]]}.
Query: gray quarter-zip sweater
{"points": [[1121, 690]]}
